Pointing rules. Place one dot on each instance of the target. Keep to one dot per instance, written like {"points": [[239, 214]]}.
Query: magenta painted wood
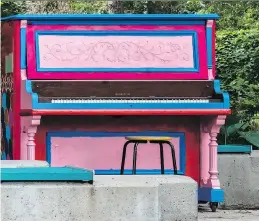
{"points": [[104, 153], [33, 74]]}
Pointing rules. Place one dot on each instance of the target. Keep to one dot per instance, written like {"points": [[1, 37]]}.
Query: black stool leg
{"points": [[124, 156], [173, 156], [135, 152], [162, 158]]}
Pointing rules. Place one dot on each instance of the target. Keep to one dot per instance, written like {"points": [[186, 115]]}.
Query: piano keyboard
{"points": [[103, 101]]}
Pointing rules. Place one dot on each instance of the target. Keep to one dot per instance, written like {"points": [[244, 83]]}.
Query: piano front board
{"points": [[126, 48]]}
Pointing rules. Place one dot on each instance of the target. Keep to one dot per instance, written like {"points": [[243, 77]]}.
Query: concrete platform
{"points": [[111, 198], [23, 163]]}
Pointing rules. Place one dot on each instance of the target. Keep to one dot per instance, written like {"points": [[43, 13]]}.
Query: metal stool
{"points": [[157, 140]]}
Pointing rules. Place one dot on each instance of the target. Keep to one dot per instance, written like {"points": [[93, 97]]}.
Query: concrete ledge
{"points": [[111, 198], [239, 177], [23, 163]]}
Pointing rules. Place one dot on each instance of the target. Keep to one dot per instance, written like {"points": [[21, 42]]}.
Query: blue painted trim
{"points": [[34, 96], [138, 172], [226, 99], [182, 154], [23, 48], [76, 106], [48, 149], [3, 103], [209, 46], [195, 69], [122, 106], [154, 17], [123, 22], [182, 147], [46, 174], [211, 195], [7, 132], [234, 149]]}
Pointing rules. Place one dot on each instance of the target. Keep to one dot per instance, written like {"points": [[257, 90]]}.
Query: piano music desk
{"points": [[73, 86]]}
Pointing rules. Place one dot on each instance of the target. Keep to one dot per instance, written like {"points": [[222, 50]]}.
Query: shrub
{"points": [[237, 55]]}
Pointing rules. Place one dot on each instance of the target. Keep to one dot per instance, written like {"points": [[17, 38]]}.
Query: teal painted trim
{"points": [[34, 96], [138, 172], [225, 95], [154, 17], [46, 174], [209, 46], [23, 48], [180, 135], [234, 149], [211, 195], [145, 33], [121, 106]]}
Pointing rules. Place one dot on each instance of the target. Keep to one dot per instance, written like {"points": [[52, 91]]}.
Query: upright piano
{"points": [[73, 84]]}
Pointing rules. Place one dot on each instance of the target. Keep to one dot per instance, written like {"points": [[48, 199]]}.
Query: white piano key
{"points": [[144, 101]]}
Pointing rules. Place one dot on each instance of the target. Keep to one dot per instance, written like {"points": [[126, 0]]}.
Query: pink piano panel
{"points": [[104, 153], [116, 52], [76, 52]]}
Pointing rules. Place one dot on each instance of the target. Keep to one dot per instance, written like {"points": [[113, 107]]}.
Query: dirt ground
{"points": [[205, 214]]}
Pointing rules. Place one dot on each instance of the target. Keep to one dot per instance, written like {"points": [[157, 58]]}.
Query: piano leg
{"points": [[35, 122], [213, 147], [209, 190]]}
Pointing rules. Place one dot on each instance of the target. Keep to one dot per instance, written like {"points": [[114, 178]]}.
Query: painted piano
{"points": [[74, 86]]}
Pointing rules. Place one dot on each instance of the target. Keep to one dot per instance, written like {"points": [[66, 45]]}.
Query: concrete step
{"points": [[110, 198], [23, 163]]}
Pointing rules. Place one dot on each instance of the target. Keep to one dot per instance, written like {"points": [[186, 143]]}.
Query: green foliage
{"points": [[89, 7], [12, 8], [53, 7], [236, 132], [251, 137], [234, 14], [147, 7], [238, 69]]}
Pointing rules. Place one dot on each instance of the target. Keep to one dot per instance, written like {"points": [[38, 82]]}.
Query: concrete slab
{"points": [[111, 198], [23, 163], [239, 177]]}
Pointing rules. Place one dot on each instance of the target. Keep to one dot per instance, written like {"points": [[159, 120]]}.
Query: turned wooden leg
{"points": [[35, 122], [213, 152]]}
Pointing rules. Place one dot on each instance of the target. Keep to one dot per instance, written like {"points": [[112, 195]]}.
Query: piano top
{"points": [[77, 17]]}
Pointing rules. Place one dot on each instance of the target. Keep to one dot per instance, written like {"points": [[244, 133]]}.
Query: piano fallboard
{"points": [[123, 89], [126, 95]]}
